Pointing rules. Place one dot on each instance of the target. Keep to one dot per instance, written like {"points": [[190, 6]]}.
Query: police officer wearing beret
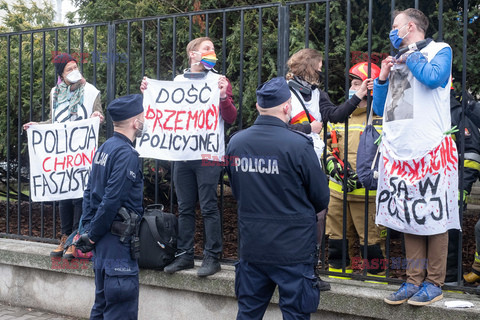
{"points": [[277, 180], [116, 181]]}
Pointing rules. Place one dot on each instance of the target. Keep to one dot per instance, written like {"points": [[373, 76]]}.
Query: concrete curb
{"points": [[348, 299]]}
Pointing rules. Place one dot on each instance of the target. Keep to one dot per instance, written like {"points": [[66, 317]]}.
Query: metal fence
{"points": [[254, 43]]}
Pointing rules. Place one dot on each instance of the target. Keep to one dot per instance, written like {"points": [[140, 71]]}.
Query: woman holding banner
{"points": [[71, 99], [192, 178]]}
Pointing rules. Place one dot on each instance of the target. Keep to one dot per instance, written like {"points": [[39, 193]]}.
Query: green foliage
{"points": [[155, 47], [171, 63], [23, 15], [18, 17], [453, 35]]}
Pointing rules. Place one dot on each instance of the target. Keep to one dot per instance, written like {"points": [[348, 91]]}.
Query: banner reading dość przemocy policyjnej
{"points": [[183, 120], [61, 156]]}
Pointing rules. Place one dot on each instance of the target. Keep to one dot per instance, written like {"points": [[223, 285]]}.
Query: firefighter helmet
{"points": [[360, 71]]}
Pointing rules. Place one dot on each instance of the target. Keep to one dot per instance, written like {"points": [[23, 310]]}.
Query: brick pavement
{"points": [[8, 312]]}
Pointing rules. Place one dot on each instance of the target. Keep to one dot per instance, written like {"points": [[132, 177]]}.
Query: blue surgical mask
{"points": [[395, 39], [351, 93]]}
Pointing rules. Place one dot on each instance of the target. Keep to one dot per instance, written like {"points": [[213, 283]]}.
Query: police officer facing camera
{"points": [[277, 180], [114, 197]]}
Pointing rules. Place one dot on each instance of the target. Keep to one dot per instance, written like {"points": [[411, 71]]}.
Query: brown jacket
{"points": [[356, 126]]}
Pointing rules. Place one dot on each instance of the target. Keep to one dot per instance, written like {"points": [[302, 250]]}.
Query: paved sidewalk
{"points": [[21, 313]]}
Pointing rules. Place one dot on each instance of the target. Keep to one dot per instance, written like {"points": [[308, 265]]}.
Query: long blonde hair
{"points": [[304, 64]]}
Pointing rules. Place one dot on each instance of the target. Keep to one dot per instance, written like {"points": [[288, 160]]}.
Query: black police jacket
{"points": [[116, 180], [277, 180], [472, 138]]}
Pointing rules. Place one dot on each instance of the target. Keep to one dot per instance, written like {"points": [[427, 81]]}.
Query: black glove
{"points": [[83, 243], [352, 181], [334, 168]]}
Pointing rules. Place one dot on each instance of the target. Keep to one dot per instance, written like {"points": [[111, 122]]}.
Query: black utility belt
{"points": [[127, 227], [127, 230], [120, 228]]}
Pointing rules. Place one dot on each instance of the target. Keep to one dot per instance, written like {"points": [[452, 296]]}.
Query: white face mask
{"points": [[74, 76], [351, 93], [142, 131]]}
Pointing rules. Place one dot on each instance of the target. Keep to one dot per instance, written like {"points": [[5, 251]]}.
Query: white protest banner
{"points": [[183, 121], [61, 156], [419, 196]]}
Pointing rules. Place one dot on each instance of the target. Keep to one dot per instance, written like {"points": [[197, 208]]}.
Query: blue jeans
{"points": [[191, 178]]}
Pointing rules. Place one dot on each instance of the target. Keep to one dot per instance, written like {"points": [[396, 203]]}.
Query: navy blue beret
{"points": [[273, 93], [60, 61], [126, 107]]}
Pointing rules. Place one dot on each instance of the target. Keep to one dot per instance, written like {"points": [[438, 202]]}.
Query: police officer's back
{"points": [[279, 185]]}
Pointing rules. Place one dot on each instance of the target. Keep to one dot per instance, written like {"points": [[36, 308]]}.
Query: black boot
{"points": [[335, 259], [180, 263], [335, 253], [452, 258], [375, 260], [210, 265], [321, 284]]}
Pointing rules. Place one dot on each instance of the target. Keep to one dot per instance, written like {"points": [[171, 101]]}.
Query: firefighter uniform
{"points": [[279, 185], [116, 180], [471, 173], [355, 200]]}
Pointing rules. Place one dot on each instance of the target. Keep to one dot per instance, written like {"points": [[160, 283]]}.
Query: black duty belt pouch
{"points": [[127, 227], [118, 228], [127, 230], [158, 238]]}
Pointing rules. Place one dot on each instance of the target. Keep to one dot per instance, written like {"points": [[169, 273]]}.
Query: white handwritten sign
{"points": [[419, 196], [61, 157], [183, 120]]}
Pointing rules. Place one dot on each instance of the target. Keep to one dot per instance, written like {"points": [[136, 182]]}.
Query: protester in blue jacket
{"points": [[412, 93], [279, 185]]}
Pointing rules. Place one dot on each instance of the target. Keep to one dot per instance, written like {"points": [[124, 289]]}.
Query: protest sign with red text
{"points": [[183, 121], [61, 156], [419, 196]]}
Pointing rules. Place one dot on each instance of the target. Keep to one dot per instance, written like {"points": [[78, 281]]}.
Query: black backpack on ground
{"points": [[158, 238]]}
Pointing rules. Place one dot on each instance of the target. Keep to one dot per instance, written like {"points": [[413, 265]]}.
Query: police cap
{"points": [[126, 107], [273, 93]]}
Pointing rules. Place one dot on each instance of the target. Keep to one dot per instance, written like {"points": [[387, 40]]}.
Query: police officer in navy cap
{"points": [[112, 202], [276, 178]]}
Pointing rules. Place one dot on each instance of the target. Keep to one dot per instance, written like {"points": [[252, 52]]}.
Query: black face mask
{"points": [[320, 76]]}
